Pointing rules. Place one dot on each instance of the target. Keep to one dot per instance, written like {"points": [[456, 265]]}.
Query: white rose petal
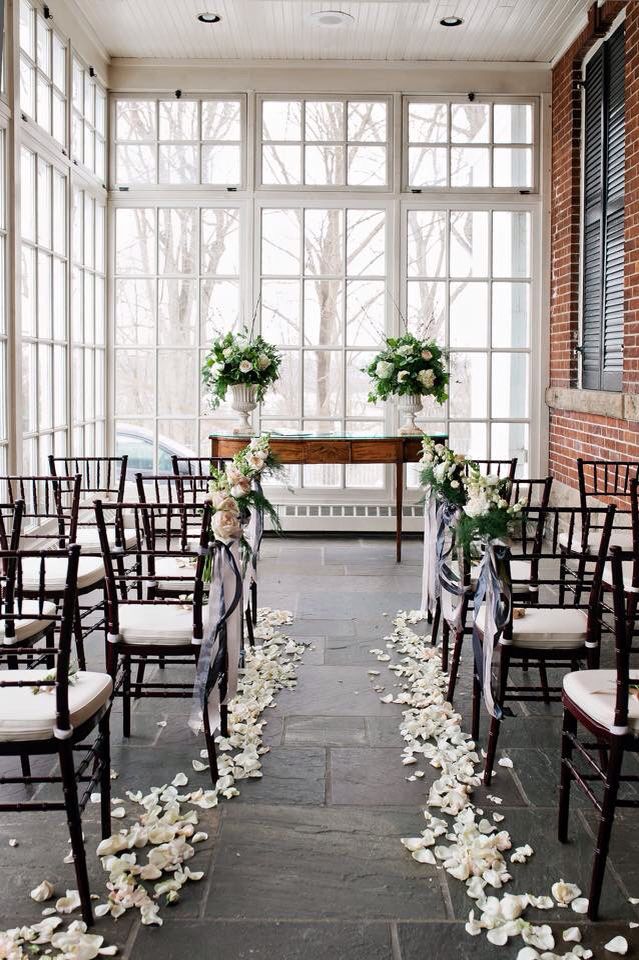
{"points": [[572, 935], [617, 945], [505, 762], [119, 813], [44, 891], [69, 903], [580, 905]]}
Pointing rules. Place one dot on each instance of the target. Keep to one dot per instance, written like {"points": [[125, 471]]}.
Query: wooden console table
{"points": [[331, 448]]}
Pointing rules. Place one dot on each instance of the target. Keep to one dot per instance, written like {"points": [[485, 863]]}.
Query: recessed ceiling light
{"points": [[331, 18], [209, 18], [451, 21]]}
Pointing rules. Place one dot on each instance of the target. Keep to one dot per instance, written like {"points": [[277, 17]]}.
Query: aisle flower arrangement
{"points": [[233, 491], [239, 359], [408, 366], [486, 515], [444, 472]]}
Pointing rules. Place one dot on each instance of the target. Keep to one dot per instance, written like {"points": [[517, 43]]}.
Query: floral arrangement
{"points": [[444, 471], [239, 358], [406, 366], [233, 493], [486, 514]]}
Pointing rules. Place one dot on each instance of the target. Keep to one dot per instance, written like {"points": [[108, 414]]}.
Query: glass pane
{"points": [[135, 164], [469, 314], [323, 383], [512, 166], [367, 121], [177, 312], [324, 120], [281, 240], [324, 165], [134, 382], [89, 386], [77, 304], [221, 241], [45, 387], [221, 163], [89, 230], [426, 309], [135, 120], [78, 86], [469, 243], [44, 188], [468, 389], [178, 120], [511, 306], [281, 311], [283, 398], [100, 111], [99, 157], [177, 240], [77, 137], [281, 164], [365, 312], [175, 437], [59, 118], [179, 163], [99, 383], [221, 120], [99, 238], [469, 123], [177, 366], [469, 167], [43, 46], [134, 312], [427, 166], [324, 242], [219, 307], [358, 385], [27, 194], [323, 312], [365, 242], [427, 243], [510, 385], [135, 439], [29, 388], [511, 244], [367, 166], [99, 310], [59, 386], [27, 28], [469, 439], [89, 308], [512, 122], [43, 104], [28, 300], [59, 213], [27, 88], [89, 98], [44, 295], [509, 440], [135, 240], [427, 122], [281, 120]]}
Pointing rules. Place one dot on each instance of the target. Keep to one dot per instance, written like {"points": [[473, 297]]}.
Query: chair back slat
{"points": [[195, 466], [51, 506], [98, 475]]}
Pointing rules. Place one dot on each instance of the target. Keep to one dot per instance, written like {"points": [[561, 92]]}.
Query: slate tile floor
{"points": [[306, 863]]}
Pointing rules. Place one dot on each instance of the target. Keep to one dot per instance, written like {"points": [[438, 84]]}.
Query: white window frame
{"points": [[20, 53], [74, 57]]}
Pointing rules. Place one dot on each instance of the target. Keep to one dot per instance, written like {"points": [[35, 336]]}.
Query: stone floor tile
{"points": [[327, 731]]}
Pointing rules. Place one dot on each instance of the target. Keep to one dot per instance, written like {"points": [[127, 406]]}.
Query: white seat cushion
{"points": [[33, 623], [89, 539], [141, 623], [620, 537], [627, 574], [90, 573], [593, 691], [27, 716], [546, 628], [175, 567]]}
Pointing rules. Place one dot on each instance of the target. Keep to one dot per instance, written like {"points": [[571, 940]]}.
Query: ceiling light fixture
{"points": [[331, 18], [451, 21], [209, 18]]}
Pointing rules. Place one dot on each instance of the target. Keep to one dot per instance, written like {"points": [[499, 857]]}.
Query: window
{"points": [[88, 120], [43, 78], [603, 217], [88, 325], [43, 310], [468, 284], [324, 143], [468, 145], [176, 280], [323, 284], [4, 368], [178, 142]]}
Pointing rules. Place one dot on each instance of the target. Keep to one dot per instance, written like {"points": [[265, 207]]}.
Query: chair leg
{"points": [[543, 676], [139, 679], [79, 639], [569, 729], [126, 697], [210, 749], [454, 664], [224, 720], [495, 723], [105, 775], [70, 789], [161, 662], [445, 639], [254, 601], [249, 626], [436, 619], [25, 764], [605, 827], [476, 703], [49, 643]]}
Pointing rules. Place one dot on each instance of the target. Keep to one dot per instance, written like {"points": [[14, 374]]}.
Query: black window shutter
{"points": [[603, 241]]}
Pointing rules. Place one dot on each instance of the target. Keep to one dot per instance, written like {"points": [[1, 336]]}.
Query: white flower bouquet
{"points": [[233, 492], [486, 514], [443, 471], [239, 359], [408, 366]]}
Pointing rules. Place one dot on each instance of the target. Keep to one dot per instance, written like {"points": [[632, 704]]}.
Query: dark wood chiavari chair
{"points": [[559, 626], [146, 626], [101, 478], [49, 713], [50, 521], [605, 704]]}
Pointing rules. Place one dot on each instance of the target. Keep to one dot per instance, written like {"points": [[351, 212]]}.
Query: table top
{"points": [[367, 437]]}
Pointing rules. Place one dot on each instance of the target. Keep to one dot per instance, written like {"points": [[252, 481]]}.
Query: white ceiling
{"points": [[493, 30]]}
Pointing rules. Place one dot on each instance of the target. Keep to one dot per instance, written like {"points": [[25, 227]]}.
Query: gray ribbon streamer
{"points": [[430, 581], [450, 582], [253, 536], [493, 589], [218, 662]]}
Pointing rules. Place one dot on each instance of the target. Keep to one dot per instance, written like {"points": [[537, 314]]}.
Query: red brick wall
{"points": [[583, 434]]}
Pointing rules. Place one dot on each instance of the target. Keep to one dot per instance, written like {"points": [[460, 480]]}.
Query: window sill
{"points": [[602, 403]]}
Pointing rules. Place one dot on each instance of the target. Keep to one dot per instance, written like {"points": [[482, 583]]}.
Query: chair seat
{"points": [[520, 571], [27, 716], [163, 624], [620, 537], [546, 628], [627, 574], [176, 566], [34, 622], [593, 692], [90, 573], [89, 539]]}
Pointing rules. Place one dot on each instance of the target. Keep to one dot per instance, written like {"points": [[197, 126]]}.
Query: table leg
{"points": [[399, 499]]}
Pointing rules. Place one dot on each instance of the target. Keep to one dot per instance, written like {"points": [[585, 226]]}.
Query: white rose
{"points": [[241, 488], [221, 500], [263, 361], [227, 352], [405, 350], [477, 505], [454, 484], [215, 369], [440, 471], [246, 366], [226, 525], [256, 460], [427, 355], [233, 474], [401, 376], [426, 378], [384, 369]]}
